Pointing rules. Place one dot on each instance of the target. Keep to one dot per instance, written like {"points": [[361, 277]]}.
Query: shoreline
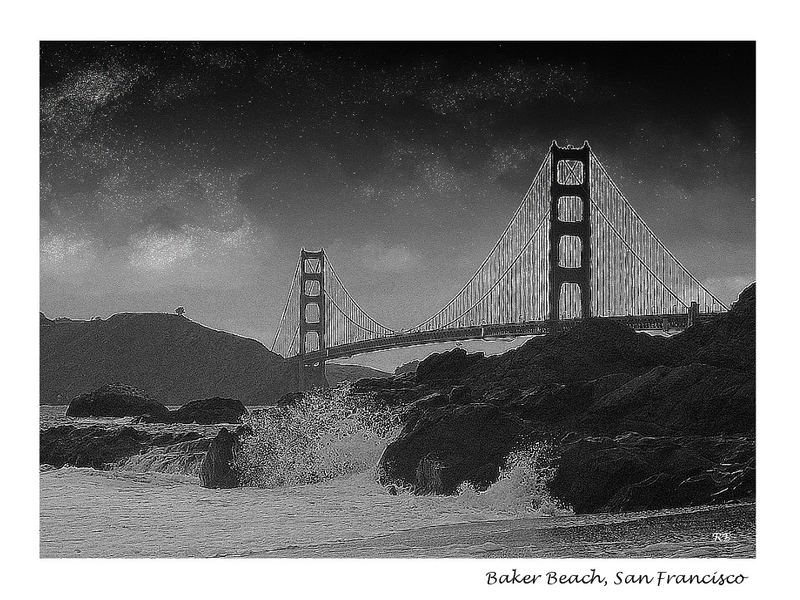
{"points": [[548, 537]]}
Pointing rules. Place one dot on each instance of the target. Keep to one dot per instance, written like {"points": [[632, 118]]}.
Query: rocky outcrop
{"points": [[593, 350], [635, 472], [685, 417], [454, 365], [218, 469], [643, 422], [100, 447], [210, 411], [116, 400], [449, 444]]}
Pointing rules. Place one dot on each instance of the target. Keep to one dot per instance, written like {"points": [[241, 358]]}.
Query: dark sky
{"points": [[192, 174]]}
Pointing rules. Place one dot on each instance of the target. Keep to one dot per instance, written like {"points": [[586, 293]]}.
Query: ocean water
{"points": [[146, 508]]}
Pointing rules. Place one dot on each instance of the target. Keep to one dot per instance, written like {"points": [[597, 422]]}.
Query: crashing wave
{"points": [[522, 487], [323, 435]]}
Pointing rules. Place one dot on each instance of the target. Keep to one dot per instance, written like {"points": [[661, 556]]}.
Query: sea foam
{"points": [[324, 435]]}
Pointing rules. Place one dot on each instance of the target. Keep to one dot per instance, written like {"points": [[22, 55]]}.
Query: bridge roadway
{"points": [[663, 322]]}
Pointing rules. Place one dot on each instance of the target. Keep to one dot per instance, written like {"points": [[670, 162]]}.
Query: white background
{"points": [[772, 24]]}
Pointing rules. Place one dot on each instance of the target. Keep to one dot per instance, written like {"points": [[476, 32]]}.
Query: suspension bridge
{"points": [[574, 249]]}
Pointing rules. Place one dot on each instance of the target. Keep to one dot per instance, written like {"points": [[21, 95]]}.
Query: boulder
{"points": [[455, 364], [448, 445], [218, 469], [116, 400], [210, 411]]}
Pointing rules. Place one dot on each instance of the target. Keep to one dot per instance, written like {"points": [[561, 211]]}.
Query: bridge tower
{"points": [[312, 317], [570, 185]]}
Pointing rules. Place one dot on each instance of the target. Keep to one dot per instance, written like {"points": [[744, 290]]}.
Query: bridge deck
{"points": [[661, 322]]}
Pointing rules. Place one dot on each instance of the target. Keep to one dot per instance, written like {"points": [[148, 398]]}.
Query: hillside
{"points": [[172, 358]]}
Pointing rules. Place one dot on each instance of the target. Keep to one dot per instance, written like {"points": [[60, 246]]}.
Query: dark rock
{"points": [[210, 411], [553, 403], [501, 397], [449, 445], [418, 408], [727, 341], [430, 401], [460, 394], [634, 472], [98, 447], [609, 383], [218, 469], [116, 400], [691, 398], [588, 351], [454, 364], [694, 399], [485, 476]]}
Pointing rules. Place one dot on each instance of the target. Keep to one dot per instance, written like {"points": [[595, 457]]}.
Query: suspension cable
{"points": [[288, 302], [504, 273], [329, 265], [646, 226], [491, 252], [639, 258]]}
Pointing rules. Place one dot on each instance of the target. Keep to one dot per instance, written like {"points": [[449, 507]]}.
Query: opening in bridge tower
{"points": [[570, 253]]}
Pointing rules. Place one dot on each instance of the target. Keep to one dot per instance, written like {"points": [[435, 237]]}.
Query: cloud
{"points": [[382, 258], [157, 250], [66, 254]]}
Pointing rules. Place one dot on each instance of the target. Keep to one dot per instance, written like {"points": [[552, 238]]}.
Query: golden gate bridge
{"points": [[574, 249]]}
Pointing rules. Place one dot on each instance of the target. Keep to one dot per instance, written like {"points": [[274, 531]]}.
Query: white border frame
{"points": [[771, 24]]}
